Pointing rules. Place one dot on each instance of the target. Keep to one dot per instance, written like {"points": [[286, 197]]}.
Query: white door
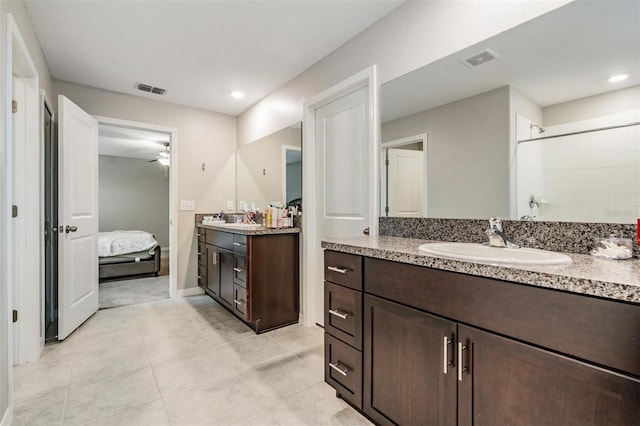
{"points": [[404, 180], [78, 216], [342, 173]]}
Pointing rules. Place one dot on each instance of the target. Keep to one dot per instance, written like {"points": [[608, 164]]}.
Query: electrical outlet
{"points": [[187, 205], [229, 205]]}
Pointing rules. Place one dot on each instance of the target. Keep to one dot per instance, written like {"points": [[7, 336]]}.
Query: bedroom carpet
{"points": [[132, 292]]}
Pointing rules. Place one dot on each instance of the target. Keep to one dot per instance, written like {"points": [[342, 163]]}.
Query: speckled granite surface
{"points": [[572, 237], [611, 279], [249, 230]]}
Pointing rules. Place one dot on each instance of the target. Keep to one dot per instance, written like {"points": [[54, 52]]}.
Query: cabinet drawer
{"points": [[240, 302], [200, 233], [240, 243], [240, 270], [344, 269], [343, 369], [220, 239], [343, 314], [202, 274], [202, 253]]}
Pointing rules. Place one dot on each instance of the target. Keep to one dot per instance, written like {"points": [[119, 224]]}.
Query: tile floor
{"points": [[184, 362]]}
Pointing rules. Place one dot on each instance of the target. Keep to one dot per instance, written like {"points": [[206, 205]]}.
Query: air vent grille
{"points": [[150, 89], [479, 58]]}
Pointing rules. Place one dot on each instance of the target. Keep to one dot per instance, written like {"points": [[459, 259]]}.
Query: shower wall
{"points": [[590, 177]]}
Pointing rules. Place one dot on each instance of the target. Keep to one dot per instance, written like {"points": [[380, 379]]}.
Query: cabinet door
{"points": [[505, 382], [226, 276], [213, 271], [407, 376]]}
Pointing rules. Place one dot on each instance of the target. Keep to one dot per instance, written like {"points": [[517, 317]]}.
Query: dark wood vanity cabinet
{"points": [[256, 277], [443, 348]]}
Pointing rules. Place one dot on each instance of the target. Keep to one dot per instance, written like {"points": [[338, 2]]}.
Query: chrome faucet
{"points": [[497, 237]]}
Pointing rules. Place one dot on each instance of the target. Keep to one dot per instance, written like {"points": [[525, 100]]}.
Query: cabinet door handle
{"points": [[237, 269], [214, 258], [199, 254], [461, 368], [238, 244], [238, 302], [445, 357], [339, 314], [198, 235], [337, 269], [339, 368], [199, 277]]}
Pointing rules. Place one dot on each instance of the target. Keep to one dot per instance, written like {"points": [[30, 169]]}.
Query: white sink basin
{"points": [[239, 225], [483, 253]]}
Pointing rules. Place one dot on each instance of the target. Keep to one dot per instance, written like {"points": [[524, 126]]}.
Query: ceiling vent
{"points": [[150, 89], [479, 58]]}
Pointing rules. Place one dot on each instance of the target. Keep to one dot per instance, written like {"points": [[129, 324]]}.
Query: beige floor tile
{"points": [[297, 337], [152, 414], [39, 408], [165, 348], [289, 374], [316, 405], [220, 333], [256, 350], [87, 402]]}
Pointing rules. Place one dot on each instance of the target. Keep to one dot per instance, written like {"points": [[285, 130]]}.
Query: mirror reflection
{"points": [[488, 124], [270, 170]]}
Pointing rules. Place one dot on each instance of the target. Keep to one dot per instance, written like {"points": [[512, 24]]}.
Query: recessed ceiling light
{"points": [[617, 78], [237, 94]]}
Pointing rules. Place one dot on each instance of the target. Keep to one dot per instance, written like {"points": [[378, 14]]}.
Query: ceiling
{"points": [[132, 143], [566, 54], [199, 51]]}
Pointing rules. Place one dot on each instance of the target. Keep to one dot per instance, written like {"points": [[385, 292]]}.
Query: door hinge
{"points": [[14, 107], [15, 316], [386, 162], [14, 211], [386, 209]]}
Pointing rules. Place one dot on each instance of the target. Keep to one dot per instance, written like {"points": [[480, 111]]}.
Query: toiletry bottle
{"points": [[280, 222], [268, 217]]}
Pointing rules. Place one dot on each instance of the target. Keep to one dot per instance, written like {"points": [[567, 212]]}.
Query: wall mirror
{"points": [[270, 169], [479, 133]]}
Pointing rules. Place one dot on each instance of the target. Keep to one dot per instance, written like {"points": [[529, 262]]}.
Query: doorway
{"points": [[134, 225], [404, 177]]}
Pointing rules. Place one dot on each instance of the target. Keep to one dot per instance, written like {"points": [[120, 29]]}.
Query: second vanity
{"points": [[252, 271], [416, 339]]}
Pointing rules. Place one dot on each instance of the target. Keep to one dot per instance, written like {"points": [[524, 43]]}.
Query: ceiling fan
{"points": [[163, 156]]}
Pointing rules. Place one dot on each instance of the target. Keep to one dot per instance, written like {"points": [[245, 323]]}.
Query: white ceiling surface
{"points": [[199, 51], [566, 54], [132, 143]]}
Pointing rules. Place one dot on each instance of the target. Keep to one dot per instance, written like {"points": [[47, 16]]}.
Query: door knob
{"points": [[70, 229], [54, 229]]}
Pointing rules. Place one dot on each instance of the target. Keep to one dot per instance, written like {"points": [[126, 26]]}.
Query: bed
{"points": [[127, 254]]}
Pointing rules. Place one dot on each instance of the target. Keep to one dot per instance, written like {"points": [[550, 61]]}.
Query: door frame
{"points": [[286, 148], [25, 283], [425, 166], [173, 190], [312, 273]]}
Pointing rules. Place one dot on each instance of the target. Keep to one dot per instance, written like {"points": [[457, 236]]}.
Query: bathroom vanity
{"points": [[252, 271], [416, 339]]}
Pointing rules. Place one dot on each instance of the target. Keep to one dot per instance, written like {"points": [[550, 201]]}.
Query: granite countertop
{"points": [[611, 279], [239, 228]]}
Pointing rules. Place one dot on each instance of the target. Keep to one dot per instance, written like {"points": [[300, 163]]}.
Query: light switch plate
{"points": [[229, 205], [187, 205]]}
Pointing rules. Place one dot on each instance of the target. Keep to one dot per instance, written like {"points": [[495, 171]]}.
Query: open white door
{"points": [[404, 183], [78, 216]]}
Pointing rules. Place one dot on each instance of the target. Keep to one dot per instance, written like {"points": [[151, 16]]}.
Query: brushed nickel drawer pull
{"points": [[339, 314], [339, 368], [199, 254], [337, 269], [239, 244], [445, 358], [238, 302], [237, 269], [199, 277], [461, 368]]}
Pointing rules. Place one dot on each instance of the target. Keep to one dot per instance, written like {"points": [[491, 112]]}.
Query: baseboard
{"points": [[186, 292], [8, 417]]}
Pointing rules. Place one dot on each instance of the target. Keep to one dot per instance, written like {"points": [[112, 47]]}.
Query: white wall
{"points": [[203, 137], [415, 34], [134, 195], [468, 171]]}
